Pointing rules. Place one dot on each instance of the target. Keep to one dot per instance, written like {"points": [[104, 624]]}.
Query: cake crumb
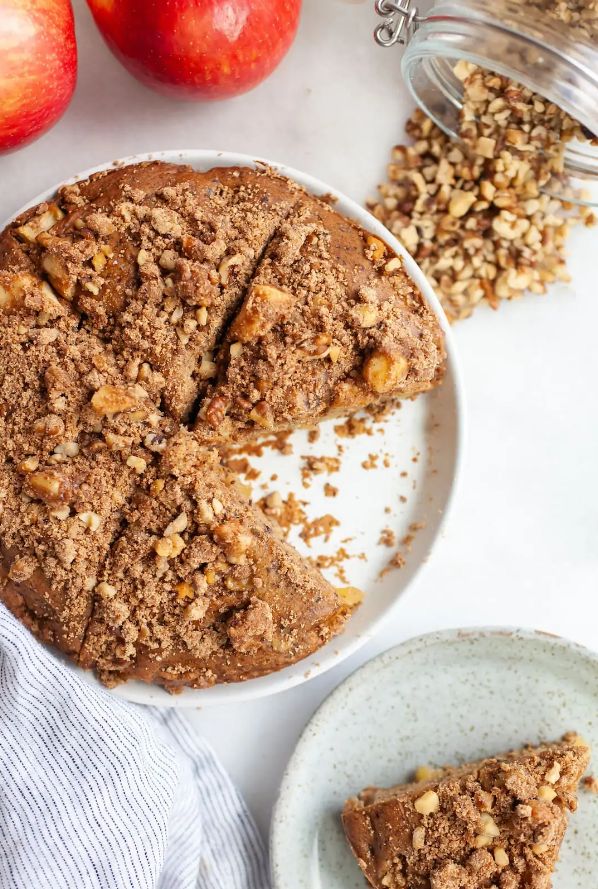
{"points": [[328, 198], [397, 561], [288, 513], [323, 526], [353, 426], [336, 561], [383, 410], [242, 466], [408, 539], [277, 442], [387, 537], [590, 782], [318, 466], [371, 462], [399, 558], [330, 490]]}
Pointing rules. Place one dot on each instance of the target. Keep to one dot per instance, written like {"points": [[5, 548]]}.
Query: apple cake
{"points": [[152, 314], [493, 824]]}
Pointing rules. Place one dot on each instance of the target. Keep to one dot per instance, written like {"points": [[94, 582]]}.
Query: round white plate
{"points": [[446, 697], [424, 444]]}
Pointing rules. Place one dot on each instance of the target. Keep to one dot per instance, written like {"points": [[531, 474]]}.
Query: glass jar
{"points": [[517, 39]]}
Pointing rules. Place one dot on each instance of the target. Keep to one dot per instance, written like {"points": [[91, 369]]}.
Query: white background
{"points": [[522, 545]]}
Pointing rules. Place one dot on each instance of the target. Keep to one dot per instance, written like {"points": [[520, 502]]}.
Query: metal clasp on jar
{"points": [[401, 19]]}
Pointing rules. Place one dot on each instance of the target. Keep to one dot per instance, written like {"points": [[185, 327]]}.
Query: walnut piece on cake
{"points": [[493, 824]]}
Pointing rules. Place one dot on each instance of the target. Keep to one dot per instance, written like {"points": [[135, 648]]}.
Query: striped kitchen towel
{"points": [[96, 793]]}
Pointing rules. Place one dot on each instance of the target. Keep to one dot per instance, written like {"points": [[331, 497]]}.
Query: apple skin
{"points": [[38, 67], [198, 49]]}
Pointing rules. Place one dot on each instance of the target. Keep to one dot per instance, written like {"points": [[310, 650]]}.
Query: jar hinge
{"points": [[400, 21]]}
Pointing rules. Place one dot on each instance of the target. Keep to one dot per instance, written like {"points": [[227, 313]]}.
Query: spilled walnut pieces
{"points": [[580, 16], [485, 825], [473, 214], [135, 301], [503, 121]]}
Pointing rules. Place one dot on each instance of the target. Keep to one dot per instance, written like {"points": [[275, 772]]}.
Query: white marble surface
{"points": [[522, 546]]}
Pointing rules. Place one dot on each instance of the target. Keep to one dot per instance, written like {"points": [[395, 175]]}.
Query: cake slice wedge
{"points": [[74, 436], [493, 824], [200, 589], [155, 257], [330, 323]]}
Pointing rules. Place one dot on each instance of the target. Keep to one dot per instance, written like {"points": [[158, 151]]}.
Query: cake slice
{"points": [[75, 436], [493, 824], [155, 257], [331, 323], [199, 588], [56, 527]]}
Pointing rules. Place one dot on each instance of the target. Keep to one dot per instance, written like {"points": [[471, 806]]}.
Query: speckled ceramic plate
{"points": [[445, 697], [416, 458]]}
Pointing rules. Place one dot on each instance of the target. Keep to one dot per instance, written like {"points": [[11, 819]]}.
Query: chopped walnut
{"points": [[427, 803], [30, 464], [473, 214], [91, 520], [263, 307], [112, 400], [383, 371], [49, 486], [177, 526], [106, 590], [22, 568], [137, 464]]}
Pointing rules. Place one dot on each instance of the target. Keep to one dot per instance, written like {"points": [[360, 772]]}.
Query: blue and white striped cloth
{"points": [[96, 793]]}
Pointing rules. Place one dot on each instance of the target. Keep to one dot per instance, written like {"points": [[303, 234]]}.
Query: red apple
{"points": [[198, 49], [38, 67]]}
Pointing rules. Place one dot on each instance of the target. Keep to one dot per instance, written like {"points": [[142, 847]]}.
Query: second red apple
{"points": [[198, 49]]}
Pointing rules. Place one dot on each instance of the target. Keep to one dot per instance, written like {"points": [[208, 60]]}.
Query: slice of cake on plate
{"points": [[493, 824], [155, 258], [330, 323], [199, 588]]}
